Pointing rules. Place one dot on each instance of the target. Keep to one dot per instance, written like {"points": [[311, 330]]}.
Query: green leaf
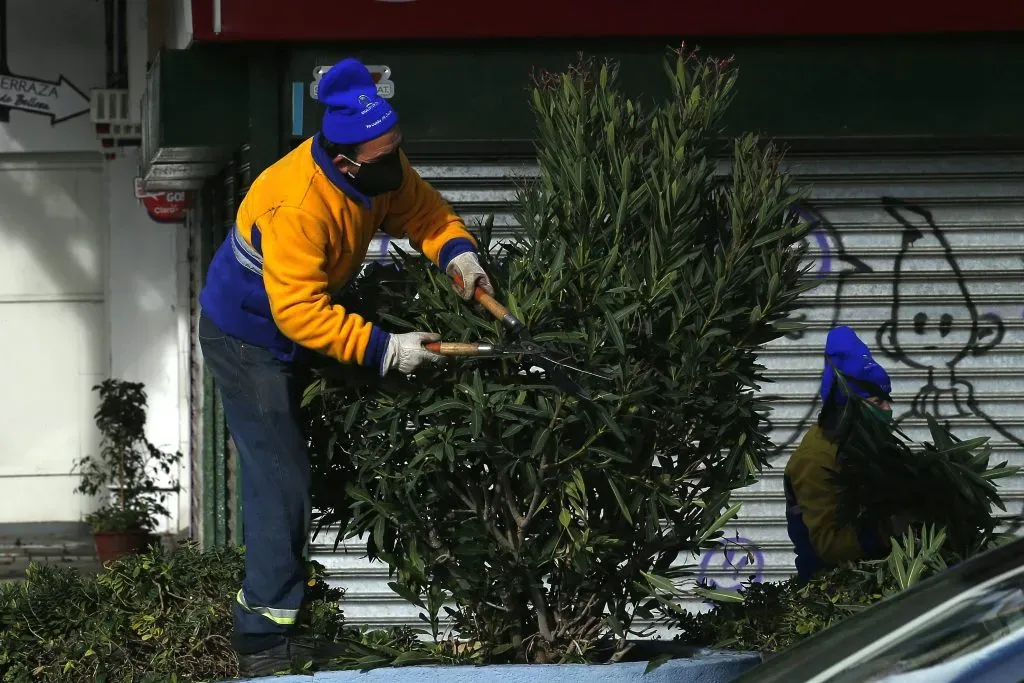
{"points": [[564, 517], [312, 392], [656, 662], [612, 326], [378, 532], [441, 406], [1002, 472], [540, 442], [610, 422], [351, 414], [660, 583], [626, 311], [717, 525], [718, 595], [622, 504], [406, 593], [512, 430], [477, 418]]}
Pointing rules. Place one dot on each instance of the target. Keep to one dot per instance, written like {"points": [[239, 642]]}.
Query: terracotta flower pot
{"points": [[111, 545]]}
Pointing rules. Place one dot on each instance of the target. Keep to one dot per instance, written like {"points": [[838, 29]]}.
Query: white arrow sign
{"points": [[60, 101]]}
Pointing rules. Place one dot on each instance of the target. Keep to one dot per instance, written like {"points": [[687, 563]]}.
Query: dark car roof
{"points": [[824, 649]]}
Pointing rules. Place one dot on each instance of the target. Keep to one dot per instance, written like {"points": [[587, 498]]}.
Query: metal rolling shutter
{"points": [[476, 189], [197, 271], [216, 505], [934, 235], [925, 251]]}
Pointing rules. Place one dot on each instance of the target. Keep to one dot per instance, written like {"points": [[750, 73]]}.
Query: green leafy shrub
{"points": [[152, 618], [944, 489], [127, 462], [946, 492], [540, 521], [775, 615], [946, 482], [771, 616]]}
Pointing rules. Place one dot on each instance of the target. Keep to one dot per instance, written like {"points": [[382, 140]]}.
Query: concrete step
{"points": [[44, 533], [59, 543]]}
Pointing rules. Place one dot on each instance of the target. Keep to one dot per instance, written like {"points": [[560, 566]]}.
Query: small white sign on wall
{"points": [[381, 75]]}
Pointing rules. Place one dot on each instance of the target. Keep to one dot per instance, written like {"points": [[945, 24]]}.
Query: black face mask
{"points": [[379, 176]]}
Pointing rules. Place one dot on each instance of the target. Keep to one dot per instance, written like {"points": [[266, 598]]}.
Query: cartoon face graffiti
{"points": [[933, 322]]}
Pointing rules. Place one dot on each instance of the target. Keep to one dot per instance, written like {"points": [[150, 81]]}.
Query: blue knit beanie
{"points": [[355, 112], [846, 353]]}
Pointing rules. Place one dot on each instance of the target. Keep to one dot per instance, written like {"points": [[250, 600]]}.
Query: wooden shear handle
{"points": [[493, 306], [458, 348]]}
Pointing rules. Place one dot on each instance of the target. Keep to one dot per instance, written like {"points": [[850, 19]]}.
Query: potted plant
{"points": [[126, 470]]}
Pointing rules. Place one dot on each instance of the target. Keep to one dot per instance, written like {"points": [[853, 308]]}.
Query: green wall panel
{"points": [[203, 95], [942, 86]]}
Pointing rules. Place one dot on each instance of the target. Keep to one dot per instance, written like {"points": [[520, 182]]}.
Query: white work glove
{"points": [[405, 352], [467, 266]]}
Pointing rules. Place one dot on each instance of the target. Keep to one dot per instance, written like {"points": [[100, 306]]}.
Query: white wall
{"points": [[147, 316], [90, 286], [45, 40], [53, 228], [54, 348]]}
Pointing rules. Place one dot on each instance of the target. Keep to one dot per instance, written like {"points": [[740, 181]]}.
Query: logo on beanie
{"points": [[381, 77], [367, 103]]}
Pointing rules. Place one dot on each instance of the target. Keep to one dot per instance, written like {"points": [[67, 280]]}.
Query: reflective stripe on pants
{"points": [[284, 617]]}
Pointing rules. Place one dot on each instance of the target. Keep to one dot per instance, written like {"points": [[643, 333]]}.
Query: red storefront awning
{"points": [[331, 20]]}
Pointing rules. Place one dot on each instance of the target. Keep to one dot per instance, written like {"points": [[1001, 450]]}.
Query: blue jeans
{"points": [[261, 397]]}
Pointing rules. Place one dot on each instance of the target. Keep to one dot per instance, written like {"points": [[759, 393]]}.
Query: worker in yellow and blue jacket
{"points": [[811, 497], [301, 233]]}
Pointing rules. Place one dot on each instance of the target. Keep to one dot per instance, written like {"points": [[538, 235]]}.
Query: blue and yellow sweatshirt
{"points": [[301, 234], [811, 502]]}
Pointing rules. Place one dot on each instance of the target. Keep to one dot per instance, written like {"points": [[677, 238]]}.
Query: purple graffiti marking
{"points": [[826, 255], [820, 236], [737, 560]]}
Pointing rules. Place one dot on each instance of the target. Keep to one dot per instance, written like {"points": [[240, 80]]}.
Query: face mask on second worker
{"points": [[880, 407], [378, 176], [884, 413]]}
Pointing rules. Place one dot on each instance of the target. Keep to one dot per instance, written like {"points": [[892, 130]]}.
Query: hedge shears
{"points": [[524, 346]]}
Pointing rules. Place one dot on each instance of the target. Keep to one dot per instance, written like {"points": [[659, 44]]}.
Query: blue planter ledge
{"points": [[704, 667]]}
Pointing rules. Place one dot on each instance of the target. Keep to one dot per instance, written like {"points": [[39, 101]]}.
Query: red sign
{"points": [[330, 20], [164, 207]]}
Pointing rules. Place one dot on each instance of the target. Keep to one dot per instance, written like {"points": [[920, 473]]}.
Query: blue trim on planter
{"points": [[712, 667]]}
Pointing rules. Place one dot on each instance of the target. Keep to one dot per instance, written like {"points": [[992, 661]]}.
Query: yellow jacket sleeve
{"points": [[294, 246], [419, 212]]}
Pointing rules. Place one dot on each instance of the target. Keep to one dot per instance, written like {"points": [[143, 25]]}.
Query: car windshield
{"points": [[979, 619]]}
